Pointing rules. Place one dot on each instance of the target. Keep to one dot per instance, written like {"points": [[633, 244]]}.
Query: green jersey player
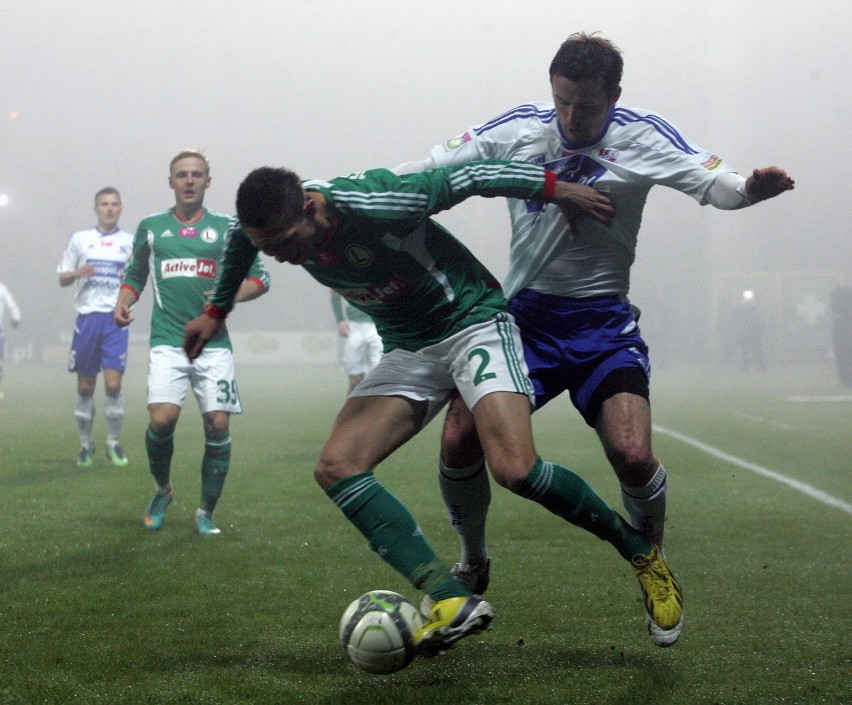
{"points": [[445, 326], [179, 250]]}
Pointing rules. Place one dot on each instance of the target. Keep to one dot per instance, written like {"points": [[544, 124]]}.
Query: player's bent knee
{"points": [[460, 452], [162, 425], [328, 473], [460, 446], [634, 464], [509, 480], [637, 474]]}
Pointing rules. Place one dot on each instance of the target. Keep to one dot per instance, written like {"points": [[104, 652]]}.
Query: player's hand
{"points": [[581, 201], [197, 333], [768, 183], [343, 329], [123, 315], [86, 271]]}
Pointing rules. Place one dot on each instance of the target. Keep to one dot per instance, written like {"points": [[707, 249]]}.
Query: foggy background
{"points": [[100, 93]]}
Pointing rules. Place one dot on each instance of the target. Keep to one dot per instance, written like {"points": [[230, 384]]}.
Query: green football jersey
{"points": [[182, 262], [386, 257]]}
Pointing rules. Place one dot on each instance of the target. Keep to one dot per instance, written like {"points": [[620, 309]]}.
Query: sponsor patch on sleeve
{"points": [[457, 142]]}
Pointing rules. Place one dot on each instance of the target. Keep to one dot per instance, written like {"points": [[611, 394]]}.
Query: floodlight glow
{"points": [[748, 295], [4, 199]]}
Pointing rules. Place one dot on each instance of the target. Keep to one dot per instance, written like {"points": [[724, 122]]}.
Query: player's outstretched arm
{"points": [[197, 333]]}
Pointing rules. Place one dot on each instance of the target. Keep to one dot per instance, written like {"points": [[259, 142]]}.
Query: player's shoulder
{"points": [[625, 115], [325, 184], [646, 127], [85, 234], [222, 218], [153, 218], [535, 115], [234, 223]]}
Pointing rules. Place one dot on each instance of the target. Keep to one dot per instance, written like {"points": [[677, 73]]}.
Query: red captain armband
{"points": [[215, 312], [549, 184]]}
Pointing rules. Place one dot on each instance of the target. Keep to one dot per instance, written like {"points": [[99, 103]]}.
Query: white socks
{"points": [[467, 494], [84, 414], [114, 413], [647, 506]]}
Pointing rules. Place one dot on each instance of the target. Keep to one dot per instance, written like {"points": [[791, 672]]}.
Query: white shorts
{"points": [[211, 377], [361, 349], [482, 359]]}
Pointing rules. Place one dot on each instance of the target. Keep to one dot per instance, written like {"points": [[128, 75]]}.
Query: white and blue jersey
{"points": [[568, 290], [638, 150], [98, 342], [108, 253]]}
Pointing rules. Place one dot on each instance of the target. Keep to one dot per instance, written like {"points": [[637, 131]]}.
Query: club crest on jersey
{"points": [[610, 155], [712, 162], [358, 255], [188, 267], [209, 235], [188, 231]]}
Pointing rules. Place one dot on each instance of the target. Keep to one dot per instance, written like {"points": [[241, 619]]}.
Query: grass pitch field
{"points": [[95, 609]]}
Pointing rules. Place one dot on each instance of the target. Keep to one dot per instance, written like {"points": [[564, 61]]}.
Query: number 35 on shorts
{"points": [[227, 391]]}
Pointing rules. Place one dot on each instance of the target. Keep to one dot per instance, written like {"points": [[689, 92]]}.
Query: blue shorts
{"points": [[98, 344], [575, 344]]}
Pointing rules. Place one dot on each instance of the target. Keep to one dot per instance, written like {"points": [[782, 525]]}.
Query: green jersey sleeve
{"points": [[138, 267], [402, 202], [240, 259]]}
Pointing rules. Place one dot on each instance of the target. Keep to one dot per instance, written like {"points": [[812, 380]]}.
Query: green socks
{"points": [[214, 468], [160, 450], [393, 534], [569, 496]]}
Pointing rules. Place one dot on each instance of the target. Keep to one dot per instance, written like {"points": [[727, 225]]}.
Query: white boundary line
{"points": [[802, 487], [760, 420]]}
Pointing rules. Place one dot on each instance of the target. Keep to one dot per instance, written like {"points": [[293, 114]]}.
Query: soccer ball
{"points": [[377, 631]]}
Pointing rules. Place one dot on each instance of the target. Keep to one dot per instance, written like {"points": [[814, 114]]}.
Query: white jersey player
{"points": [[568, 285], [95, 259], [7, 301]]}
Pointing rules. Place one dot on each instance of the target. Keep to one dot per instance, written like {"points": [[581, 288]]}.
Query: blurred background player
{"points": [[568, 281], [362, 345], [95, 260], [7, 301], [179, 249]]}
